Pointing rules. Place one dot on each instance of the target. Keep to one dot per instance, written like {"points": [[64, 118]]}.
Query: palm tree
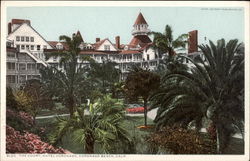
{"points": [[102, 125], [165, 43], [66, 84], [141, 83], [104, 74], [213, 88]]}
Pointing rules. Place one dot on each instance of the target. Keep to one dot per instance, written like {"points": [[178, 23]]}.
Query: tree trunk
{"points": [[145, 111], [71, 106], [218, 147], [89, 143]]}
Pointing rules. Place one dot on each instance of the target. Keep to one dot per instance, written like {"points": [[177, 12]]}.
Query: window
{"points": [[22, 38], [22, 78], [147, 57], [18, 47], [27, 39], [11, 78], [11, 55], [38, 47], [22, 66], [11, 66], [18, 38], [22, 47], [107, 47], [27, 47], [32, 47], [32, 39], [31, 66], [29, 77], [44, 46]]}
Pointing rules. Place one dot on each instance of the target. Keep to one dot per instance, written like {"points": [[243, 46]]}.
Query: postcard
{"points": [[124, 80]]}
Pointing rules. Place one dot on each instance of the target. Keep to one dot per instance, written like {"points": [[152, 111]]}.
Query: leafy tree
{"points": [[102, 125], [212, 88], [66, 85], [141, 83]]}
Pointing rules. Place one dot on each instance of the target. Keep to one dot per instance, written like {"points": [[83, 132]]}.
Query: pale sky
{"points": [[108, 22]]}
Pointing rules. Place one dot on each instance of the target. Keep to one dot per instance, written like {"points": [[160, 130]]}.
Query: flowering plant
{"points": [[28, 143], [135, 110], [19, 120]]}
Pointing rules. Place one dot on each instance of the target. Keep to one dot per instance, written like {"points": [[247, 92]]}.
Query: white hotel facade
{"points": [[26, 50]]}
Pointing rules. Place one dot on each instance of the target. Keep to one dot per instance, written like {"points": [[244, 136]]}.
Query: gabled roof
{"points": [[54, 43], [140, 20], [99, 43], [141, 40], [31, 28]]}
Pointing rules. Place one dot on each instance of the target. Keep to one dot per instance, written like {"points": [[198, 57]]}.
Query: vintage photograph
{"points": [[137, 79]]}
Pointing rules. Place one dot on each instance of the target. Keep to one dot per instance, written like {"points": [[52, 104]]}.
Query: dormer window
{"points": [[59, 46], [107, 47]]}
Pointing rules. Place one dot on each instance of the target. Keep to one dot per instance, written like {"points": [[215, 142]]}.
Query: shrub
{"points": [[19, 120], [27, 143], [182, 141]]}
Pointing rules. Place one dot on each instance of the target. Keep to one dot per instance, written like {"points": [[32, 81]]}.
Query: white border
{"points": [[243, 4]]}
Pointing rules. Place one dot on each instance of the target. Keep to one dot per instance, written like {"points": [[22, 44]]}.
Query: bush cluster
{"points": [[27, 143], [177, 140]]}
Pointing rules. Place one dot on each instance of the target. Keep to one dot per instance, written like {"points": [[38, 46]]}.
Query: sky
{"points": [[108, 22]]}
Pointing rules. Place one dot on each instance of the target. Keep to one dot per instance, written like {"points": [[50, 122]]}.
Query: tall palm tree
{"points": [[213, 88], [102, 125], [165, 43], [66, 84]]}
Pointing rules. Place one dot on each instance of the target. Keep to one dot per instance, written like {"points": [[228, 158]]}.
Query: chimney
{"points": [[9, 28], [117, 42], [193, 41], [97, 39]]}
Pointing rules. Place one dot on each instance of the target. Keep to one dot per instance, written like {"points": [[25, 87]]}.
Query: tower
{"points": [[140, 33], [140, 26]]}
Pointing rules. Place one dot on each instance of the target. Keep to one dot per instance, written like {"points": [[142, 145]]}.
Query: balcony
{"points": [[140, 32]]}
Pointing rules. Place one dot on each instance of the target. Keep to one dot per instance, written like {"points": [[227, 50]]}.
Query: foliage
{"points": [[165, 43], [66, 84], [104, 75], [212, 88], [25, 102], [19, 120], [10, 98], [177, 140], [141, 83], [41, 99], [27, 143], [103, 124]]}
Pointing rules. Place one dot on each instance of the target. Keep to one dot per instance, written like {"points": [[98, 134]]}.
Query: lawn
{"points": [[130, 123]]}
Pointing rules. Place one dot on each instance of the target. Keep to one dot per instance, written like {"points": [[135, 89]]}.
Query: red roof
{"points": [[19, 21], [53, 44], [99, 43], [97, 52], [130, 52], [140, 20], [142, 40]]}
